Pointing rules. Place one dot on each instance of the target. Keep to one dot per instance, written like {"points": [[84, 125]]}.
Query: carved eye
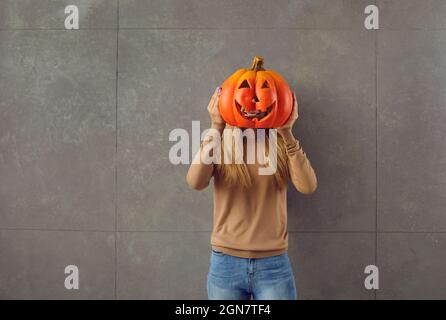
{"points": [[244, 84], [265, 85]]}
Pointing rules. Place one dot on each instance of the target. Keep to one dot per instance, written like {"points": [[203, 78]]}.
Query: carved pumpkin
{"points": [[255, 98]]}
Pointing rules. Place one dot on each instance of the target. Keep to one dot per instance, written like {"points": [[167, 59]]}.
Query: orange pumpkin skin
{"points": [[255, 98]]}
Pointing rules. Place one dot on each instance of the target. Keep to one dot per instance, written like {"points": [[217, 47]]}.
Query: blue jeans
{"points": [[235, 278]]}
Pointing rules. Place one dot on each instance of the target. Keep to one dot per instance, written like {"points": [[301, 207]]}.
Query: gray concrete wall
{"points": [[85, 117]]}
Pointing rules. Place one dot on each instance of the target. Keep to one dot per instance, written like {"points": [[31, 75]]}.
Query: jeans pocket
{"points": [[218, 253], [279, 267]]}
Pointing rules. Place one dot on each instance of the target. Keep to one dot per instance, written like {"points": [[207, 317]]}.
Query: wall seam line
{"points": [[116, 155], [376, 146]]}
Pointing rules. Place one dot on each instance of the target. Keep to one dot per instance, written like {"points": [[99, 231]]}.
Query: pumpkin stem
{"points": [[257, 64]]}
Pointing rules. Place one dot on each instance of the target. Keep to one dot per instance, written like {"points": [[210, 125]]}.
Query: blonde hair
{"points": [[238, 174]]}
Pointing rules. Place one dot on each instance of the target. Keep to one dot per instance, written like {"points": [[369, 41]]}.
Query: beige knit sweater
{"points": [[252, 223]]}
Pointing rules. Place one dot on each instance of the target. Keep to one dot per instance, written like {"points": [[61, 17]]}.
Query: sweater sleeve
{"points": [[301, 172], [200, 173]]}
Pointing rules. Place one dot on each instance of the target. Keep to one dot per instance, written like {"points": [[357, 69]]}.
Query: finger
{"points": [[211, 106], [294, 117], [212, 101], [217, 97], [214, 96], [296, 105]]}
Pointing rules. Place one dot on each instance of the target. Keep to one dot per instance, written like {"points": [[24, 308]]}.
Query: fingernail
{"points": [[219, 89]]}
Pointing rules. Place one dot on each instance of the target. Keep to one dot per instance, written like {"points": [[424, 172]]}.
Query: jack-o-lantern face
{"points": [[255, 98]]}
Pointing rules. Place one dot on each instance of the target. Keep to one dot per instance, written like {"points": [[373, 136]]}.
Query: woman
{"points": [[249, 239]]}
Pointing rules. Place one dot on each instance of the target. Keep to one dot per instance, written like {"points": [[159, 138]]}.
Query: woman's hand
{"points": [[286, 130], [217, 121]]}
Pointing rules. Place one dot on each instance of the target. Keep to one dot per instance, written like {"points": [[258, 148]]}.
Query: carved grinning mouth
{"points": [[255, 113]]}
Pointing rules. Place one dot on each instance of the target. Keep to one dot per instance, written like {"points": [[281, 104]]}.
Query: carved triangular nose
{"points": [[255, 99]]}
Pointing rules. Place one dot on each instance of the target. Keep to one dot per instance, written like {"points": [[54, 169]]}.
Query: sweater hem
{"points": [[249, 253]]}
